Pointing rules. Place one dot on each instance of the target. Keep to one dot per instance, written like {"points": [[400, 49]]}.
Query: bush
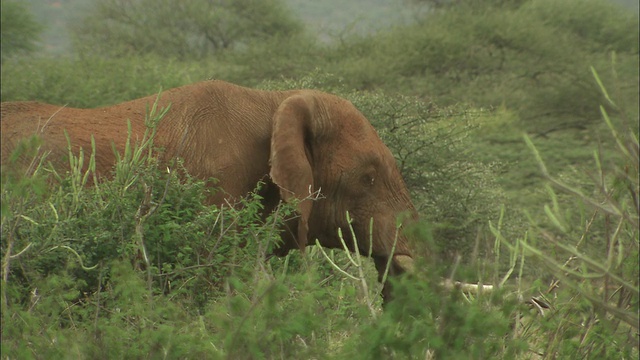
{"points": [[281, 57], [450, 189], [427, 321], [92, 81], [589, 250], [20, 32], [532, 57]]}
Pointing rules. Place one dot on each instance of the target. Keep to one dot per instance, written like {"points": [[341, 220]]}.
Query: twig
{"points": [[76, 254]]}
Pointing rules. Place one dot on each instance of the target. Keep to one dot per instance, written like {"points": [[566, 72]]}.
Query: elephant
{"points": [[310, 148]]}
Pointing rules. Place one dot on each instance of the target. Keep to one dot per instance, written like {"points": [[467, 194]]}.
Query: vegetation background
{"points": [[515, 124]]}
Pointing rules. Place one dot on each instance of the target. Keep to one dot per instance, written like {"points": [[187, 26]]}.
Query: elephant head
{"points": [[327, 156], [317, 150]]}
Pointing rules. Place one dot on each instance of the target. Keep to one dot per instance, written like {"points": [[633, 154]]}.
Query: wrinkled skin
{"points": [[299, 142]]}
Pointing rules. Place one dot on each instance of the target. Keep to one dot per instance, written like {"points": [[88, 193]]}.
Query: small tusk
{"points": [[472, 288], [406, 263]]}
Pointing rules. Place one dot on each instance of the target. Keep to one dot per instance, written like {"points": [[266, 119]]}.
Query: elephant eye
{"points": [[368, 180]]}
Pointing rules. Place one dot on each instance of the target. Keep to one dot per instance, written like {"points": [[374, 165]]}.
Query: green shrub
{"points": [[588, 248], [450, 189], [88, 81], [427, 321], [195, 30], [287, 57], [20, 32], [532, 57]]}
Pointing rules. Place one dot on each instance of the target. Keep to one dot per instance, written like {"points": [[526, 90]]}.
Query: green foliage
{"points": [[276, 58], [519, 56], [93, 81], [428, 321], [599, 25], [20, 32], [595, 257], [257, 322], [191, 30], [530, 56]]}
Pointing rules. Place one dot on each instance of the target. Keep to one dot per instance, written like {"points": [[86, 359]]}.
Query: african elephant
{"points": [[306, 145]]}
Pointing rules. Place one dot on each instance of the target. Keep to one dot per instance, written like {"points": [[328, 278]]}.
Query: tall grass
{"points": [[589, 248]]}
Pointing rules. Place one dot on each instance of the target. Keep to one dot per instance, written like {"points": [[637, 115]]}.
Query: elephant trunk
{"points": [[404, 262]]}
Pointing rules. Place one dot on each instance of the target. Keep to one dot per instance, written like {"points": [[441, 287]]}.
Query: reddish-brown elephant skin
{"points": [[302, 143]]}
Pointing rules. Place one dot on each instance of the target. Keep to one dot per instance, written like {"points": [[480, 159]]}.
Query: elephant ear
{"points": [[291, 168]]}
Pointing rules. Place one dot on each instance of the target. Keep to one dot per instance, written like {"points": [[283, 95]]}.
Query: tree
{"points": [[180, 29], [531, 56], [20, 32]]}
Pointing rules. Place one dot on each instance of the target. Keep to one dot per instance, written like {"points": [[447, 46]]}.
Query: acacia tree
{"points": [[20, 31], [180, 29]]}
